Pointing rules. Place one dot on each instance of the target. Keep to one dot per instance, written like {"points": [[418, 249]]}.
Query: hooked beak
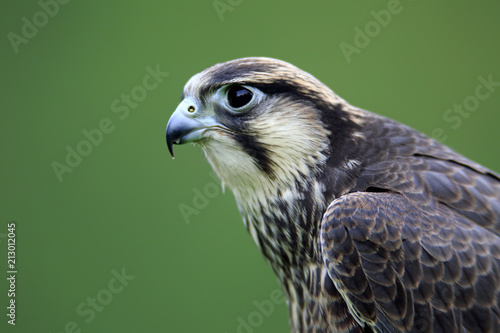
{"points": [[187, 126], [182, 129]]}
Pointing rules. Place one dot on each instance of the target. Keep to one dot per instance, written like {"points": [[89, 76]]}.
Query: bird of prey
{"points": [[369, 225]]}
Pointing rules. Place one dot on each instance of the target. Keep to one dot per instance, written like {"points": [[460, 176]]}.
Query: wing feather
{"points": [[405, 267]]}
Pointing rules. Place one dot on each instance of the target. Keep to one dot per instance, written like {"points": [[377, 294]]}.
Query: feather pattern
{"points": [[369, 225]]}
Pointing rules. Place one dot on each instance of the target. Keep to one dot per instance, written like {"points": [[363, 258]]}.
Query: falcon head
{"points": [[264, 124]]}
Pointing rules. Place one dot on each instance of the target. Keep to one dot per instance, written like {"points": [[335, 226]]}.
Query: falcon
{"points": [[369, 225]]}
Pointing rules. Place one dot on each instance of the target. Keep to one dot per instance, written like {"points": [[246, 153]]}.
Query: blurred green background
{"points": [[119, 207]]}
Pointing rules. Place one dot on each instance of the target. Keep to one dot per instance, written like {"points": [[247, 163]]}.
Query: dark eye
{"points": [[238, 96]]}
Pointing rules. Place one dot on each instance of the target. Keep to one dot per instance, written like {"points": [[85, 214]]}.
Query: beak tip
{"points": [[170, 144], [170, 148]]}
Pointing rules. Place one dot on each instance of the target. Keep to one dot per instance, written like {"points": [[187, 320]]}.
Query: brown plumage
{"points": [[369, 225]]}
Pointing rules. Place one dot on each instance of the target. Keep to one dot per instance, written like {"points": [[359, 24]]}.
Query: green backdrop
{"points": [[101, 243]]}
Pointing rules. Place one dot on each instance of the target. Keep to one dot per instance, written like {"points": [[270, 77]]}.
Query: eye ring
{"points": [[191, 108], [239, 96]]}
